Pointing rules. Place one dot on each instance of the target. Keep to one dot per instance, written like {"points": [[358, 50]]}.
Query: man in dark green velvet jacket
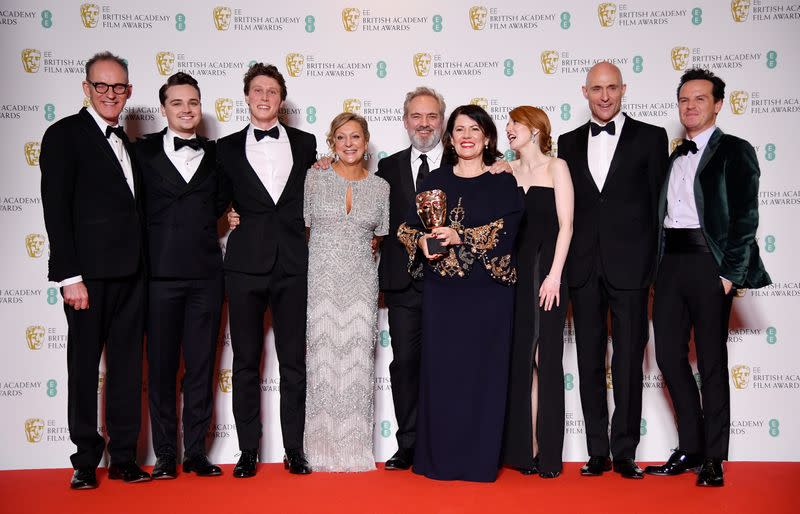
{"points": [[707, 249]]}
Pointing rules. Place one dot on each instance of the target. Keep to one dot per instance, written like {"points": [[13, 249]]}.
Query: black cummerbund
{"points": [[685, 240]]}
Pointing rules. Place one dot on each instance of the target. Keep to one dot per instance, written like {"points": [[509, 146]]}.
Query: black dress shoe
{"points": [[83, 478], [200, 465], [679, 462], [711, 474], [246, 467], [165, 468], [403, 458], [549, 474], [295, 461], [628, 469], [129, 472], [596, 466]]}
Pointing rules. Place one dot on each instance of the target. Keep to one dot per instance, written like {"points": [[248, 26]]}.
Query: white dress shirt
{"points": [[434, 160], [271, 159], [118, 147], [601, 150], [186, 160], [681, 206]]}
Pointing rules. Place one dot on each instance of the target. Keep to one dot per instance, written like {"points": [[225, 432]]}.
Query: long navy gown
{"points": [[468, 305]]}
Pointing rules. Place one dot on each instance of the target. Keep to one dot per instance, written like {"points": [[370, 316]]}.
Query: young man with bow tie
{"points": [[91, 196], [266, 263], [185, 285], [708, 214]]}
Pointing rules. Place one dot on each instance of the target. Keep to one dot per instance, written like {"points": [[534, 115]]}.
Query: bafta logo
{"points": [[422, 64], [477, 17], [224, 108], [34, 335], [31, 60], [34, 429], [350, 17], [225, 380], [352, 105], [34, 244], [739, 10], [294, 64], [90, 13], [609, 379], [674, 143], [86, 102], [481, 102], [680, 58], [222, 17], [607, 13], [165, 62], [738, 101], [549, 59], [740, 375], [32, 151]]}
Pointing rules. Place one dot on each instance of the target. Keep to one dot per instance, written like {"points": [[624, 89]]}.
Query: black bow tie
{"points": [[608, 127], [686, 147], [118, 130], [273, 133], [194, 143]]}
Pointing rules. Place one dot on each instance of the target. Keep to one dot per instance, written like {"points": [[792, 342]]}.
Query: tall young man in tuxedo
{"points": [[423, 115], [708, 213], [266, 263], [185, 284], [617, 165], [90, 195]]}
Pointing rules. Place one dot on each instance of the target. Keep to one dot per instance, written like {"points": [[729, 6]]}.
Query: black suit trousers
{"points": [[249, 296], [689, 294], [183, 317], [114, 321], [590, 304], [405, 329]]}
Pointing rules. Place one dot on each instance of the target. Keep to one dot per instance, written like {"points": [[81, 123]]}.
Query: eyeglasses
{"points": [[102, 87]]}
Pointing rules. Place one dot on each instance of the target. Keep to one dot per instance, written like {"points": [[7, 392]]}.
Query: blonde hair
{"points": [[340, 120]]}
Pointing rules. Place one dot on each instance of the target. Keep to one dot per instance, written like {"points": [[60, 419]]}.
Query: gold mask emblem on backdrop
{"points": [[34, 429], [477, 17], [740, 375], [740, 9], [350, 18], [607, 13], [165, 62], [223, 107], [549, 60], [34, 244], [352, 105], [738, 101], [225, 380], [34, 336], [31, 60], [222, 17], [422, 64], [680, 58], [90, 14], [32, 151], [480, 102], [294, 64]]}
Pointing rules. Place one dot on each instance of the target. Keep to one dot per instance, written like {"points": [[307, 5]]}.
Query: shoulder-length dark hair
{"points": [[484, 121]]}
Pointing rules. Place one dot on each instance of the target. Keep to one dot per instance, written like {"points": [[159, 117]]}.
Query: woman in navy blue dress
{"points": [[468, 304]]}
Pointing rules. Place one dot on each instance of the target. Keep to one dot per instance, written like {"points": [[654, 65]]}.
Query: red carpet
{"points": [[751, 488]]}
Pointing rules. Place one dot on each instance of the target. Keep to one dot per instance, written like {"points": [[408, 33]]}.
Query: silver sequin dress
{"points": [[341, 326]]}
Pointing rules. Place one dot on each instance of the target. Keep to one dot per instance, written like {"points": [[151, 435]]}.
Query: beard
{"points": [[422, 143]]}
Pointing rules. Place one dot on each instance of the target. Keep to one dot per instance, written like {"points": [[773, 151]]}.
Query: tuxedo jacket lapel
{"points": [[247, 169], [626, 144], [96, 136], [159, 161], [206, 167], [582, 146], [296, 174], [407, 175]]}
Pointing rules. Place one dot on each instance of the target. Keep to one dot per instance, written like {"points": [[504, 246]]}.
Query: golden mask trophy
{"points": [[432, 210]]}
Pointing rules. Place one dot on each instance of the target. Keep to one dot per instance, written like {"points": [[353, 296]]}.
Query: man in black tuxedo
{"points": [[617, 166], [90, 195], [423, 115], [266, 263], [185, 284], [708, 211]]}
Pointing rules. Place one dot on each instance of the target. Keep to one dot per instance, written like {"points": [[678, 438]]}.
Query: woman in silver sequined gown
{"points": [[345, 208]]}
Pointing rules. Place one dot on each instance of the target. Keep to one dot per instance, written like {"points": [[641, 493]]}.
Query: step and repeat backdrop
{"points": [[363, 56]]}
